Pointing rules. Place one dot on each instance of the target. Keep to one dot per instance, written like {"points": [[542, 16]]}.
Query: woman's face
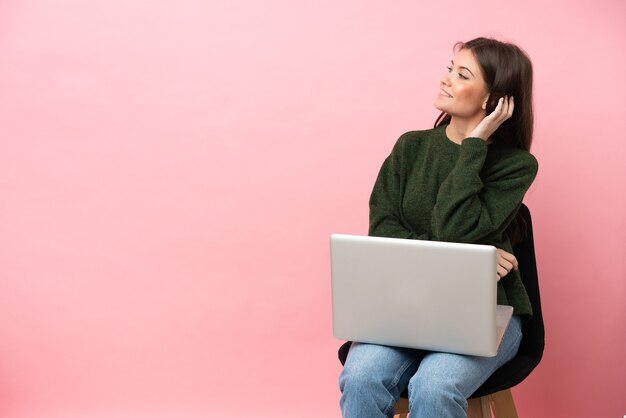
{"points": [[463, 93]]}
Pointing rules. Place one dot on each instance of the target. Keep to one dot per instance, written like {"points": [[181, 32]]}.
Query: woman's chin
{"points": [[439, 106], [441, 103]]}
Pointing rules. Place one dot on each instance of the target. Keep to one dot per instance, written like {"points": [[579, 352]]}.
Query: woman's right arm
{"points": [[385, 217], [386, 199]]}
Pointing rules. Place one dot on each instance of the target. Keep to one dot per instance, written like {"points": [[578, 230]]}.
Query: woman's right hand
{"points": [[491, 122], [506, 263]]}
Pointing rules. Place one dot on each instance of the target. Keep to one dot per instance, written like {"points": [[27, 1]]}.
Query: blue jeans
{"points": [[439, 384]]}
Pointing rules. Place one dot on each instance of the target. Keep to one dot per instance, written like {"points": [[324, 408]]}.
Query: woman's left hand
{"points": [[506, 263], [491, 122]]}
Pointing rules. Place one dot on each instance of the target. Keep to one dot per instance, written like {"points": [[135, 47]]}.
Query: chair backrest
{"points": [[533, 340], [534, 332]]}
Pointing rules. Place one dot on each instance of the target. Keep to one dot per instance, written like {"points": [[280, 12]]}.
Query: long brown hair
{"points": [[507, 71]]}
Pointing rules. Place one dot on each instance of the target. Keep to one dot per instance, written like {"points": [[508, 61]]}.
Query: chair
{"points": [[495, 393]]}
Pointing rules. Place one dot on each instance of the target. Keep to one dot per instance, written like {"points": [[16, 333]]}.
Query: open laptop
{"points": [[430, 295]]}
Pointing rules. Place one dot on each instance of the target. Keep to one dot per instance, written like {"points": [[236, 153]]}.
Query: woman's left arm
{"points": [[469, 209]]}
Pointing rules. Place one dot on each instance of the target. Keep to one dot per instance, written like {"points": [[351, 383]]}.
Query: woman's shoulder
{"points": [[417, 138], [514, 158], [509, 152]]}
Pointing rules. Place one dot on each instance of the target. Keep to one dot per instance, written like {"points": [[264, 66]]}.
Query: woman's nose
{"points": [[445, 79]]}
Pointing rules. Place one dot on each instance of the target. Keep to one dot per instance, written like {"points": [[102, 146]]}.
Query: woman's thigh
{"points": [[391, 366], [468, 373]]}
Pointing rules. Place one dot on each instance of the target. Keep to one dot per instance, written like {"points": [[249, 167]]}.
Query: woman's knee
{"points": [[435, 391], [373, 368], [353, 380], [360, 377]]}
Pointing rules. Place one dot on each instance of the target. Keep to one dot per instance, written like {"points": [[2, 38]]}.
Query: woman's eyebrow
{"points": [[464, 68]]}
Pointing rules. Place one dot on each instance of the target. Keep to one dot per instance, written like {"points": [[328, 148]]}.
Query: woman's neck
{"points": [[460, 128]]}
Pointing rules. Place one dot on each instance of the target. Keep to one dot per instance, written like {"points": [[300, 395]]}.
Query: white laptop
{"points": [[430, 295]]}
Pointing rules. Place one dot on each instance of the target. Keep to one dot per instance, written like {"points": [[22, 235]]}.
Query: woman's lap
{"points": [[470, 372], [383, 369]]}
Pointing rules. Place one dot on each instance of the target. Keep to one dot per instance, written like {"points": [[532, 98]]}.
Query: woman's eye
{"points": [[460, 75]]}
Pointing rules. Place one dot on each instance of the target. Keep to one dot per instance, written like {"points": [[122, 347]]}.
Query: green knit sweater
{"points": [[431, 188]]}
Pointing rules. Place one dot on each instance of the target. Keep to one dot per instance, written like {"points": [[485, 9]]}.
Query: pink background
{"points": [[170, 173]]}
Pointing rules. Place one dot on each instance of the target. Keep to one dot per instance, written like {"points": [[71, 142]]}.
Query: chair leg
{"points": [[485, 406], [479, 407], [402, 408], [503, 405]]}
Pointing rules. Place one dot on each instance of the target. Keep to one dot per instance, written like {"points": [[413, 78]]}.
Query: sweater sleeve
{"points": [[469, 208], [386, 198]]}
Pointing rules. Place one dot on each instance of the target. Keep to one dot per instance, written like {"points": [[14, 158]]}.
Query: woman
{"points": [[462, 181]]}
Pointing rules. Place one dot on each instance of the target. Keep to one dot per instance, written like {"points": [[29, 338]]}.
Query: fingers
{"points": [[506, 263], [508, 258], [491, 122], [504, 109]]}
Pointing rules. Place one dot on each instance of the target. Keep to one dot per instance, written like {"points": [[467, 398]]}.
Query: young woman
{"points": [[462, 181]]}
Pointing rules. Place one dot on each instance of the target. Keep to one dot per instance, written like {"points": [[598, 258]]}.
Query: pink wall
{"points": [[170, 173]]}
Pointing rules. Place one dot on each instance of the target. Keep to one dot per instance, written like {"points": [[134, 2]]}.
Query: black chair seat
{"points": [[507, 376]]}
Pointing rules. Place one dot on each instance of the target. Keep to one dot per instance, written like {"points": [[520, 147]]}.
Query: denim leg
{"points": [[444, 381], [373, 378]]}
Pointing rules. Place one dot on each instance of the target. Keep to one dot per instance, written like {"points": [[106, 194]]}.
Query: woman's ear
{"points": [[484, 106]]}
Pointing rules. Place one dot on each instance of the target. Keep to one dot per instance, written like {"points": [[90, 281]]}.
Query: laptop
{"points": [[430, 295]]}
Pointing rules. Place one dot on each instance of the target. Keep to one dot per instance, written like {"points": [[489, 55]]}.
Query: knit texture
{"points": [[431, 188]]}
